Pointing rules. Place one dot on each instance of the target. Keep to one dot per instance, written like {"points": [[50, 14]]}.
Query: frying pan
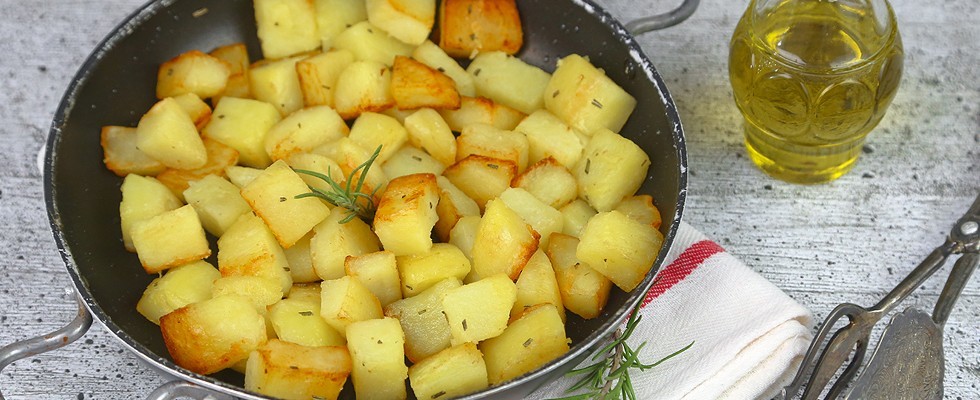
{"points": [[116, 85]]}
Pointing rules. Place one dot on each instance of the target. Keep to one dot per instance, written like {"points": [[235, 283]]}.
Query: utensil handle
{"points": [[182, 389], [41, 344], [665, 20], [962, 270], [929, 266]]}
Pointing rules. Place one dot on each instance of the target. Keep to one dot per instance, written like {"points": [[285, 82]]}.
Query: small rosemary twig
{"points": [[357, 203]]}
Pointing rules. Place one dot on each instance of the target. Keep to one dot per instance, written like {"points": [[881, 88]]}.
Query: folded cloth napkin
{"points": [[749, 337]]}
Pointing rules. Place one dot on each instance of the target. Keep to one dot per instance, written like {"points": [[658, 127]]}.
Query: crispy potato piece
{"points": [[318, 76], [536, 285], [407, 213], [531, 341], [409, 160], [415, 85], [463, 235], [219, 158], [297, 319], [550, 182], [576, 214], [197, 109], [292, 371], [345, 301], [487, 141], [218, 203], [370, 43], [620, 248], [468, 26], [248, 248], [304, 130], [372, 130], [640, 208], [364, 86], [481, 110], [377, 349], [548, 136], [180, 286], [334, 241], [543, 218], [429, 132], [453, 206], [286, 27], [235, 54], [453, 372], [430, 54], [503, 243], [142, 198], [378, 271], [425, 326], [120, 155], [276, 82], [509, 81], [335, 16], [168, 134], [479, 310], [273, 196], [481, 178], [241, 176], [612, 168], [242, 124], [584, 291], [585, 98], [172, 238], [300, 260], [421, 271], [192, 72], [211, 335], [260, 291], [409, 21]]}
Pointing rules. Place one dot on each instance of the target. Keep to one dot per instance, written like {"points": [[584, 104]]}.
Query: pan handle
{"points": [[182, 389], [665, 20], [41, 344]]}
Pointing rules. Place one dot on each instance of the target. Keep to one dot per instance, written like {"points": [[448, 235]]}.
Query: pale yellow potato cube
{"points": [[640, 208], [219, 158], [286, 27], [373, 130], [169, 239], [295, 372], [531, 341], [550, 182], [479, 310], [122, 157], [429, 132], [304, 130], [241, 176], [463, 235], [377, 349], [620, 248], [260, 291], [409, 21], [180, 286], [454, 372], [453, 206], [192, 72], [242, 124], [415, 85], [576, 214], [235, 54], [503, 243], [430, 54], [300, 260], [334, 241], [509, 81], [407, 213], [249, 248], [378, 272], [543, 218], [214, 334], [482, 178], [468, 26], [318, 75], [421, 271], [296, 319], [142, 198], [481, 110], [273, 196], [217, 202], [548, 136], [487, 141], [425, 326], [369, 43], [410, 160], [167, 133], [238, 86], [335, 16], [585, 98], [537, 285], [197, 109], [276, 82], [346, 300], [584, 291], [364, 86], [612, 168]]}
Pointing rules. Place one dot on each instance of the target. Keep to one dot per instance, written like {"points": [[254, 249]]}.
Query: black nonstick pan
{"points": [[116, 85]]}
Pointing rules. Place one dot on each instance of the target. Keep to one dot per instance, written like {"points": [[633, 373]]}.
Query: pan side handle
{"points": [[181, 389], [665, 20], [41, 344]]}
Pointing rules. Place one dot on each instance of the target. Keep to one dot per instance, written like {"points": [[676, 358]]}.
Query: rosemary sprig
{"points": [[609, 377], [357, 203]]}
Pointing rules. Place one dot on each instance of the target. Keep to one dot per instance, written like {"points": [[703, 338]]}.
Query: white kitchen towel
{"points": [[749, 337]]}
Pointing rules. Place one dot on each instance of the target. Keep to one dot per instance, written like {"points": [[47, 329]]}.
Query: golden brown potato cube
{"points": [[576, 214], [481, 178], [548, 136], [241, 176], [377, 349], [454, 372], [335, 16], [584, 291], [260, 291], [531, 341], [297, 319], [286, 27], [425, 326], [180, 286], [409, 160], [304, 130], [619, 247], [370, 43], [536, 285], [167, 133], [420, 271], [364, 86], [170, 239], [296, 372], [429, 132], [463, 235], [242, 124], [346, 300], [453, 205], [550, 182], [430, 54], [373, 130], [469, 26], [318, 75], [479, 310], [219, 158], [122, 157], [197, 109], [640, 208], [508, 80], [273, 197], [248, 248], [334, 241], [481, 110], [585, 98], [407, 213], [276, 82], [192, 72], [503, 243], [300, 260], [415, 85], [214, 334], [378, 272], [142, 198], [612, 168], [235, 54], [218, 203], [542, 218], [487, 141], [409, 21]]}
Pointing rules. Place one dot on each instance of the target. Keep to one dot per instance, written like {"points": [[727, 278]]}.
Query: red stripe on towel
{"points": [[688, 261]]}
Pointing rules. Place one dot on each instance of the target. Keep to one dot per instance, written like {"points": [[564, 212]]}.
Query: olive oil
{"points": [[812, 78]]}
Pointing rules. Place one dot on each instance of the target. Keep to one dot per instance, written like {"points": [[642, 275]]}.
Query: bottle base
{"points": [[801, 164]]}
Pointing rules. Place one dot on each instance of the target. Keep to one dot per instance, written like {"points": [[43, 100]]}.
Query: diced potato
{"points": [[503, 243], [276, 82], [612, 168], [640, 208], [415, 85], [297, 319], [536, 285], [369, 43], [463, 235], [453, 205], [167, 133], [260, 291], [273, 196], [334, 241], [335, 16], [300, 261], [430, 54], [197, 109], [543, 218], [619, 247], [487, 141], [425, 326], [550, 182], [548, 136], [241, 176], [217, 202], [235, 54], [192, 72], [242, 124], [122, 157], [400, 115], [406, 214], [481, 110], [180, 286], [211, 335], [421, 271], [170, 239], [576, 214], [409, 21], [377, 349], [286, 27], [584, 291], [364, 86], [378, 272], [469, 26], [482, 178], [142, 198], [429, 132], [304, 130], [350, 156], [509, 81], [372, 130], [248, 248], [346, 300], [312, 162], [531, 341], [219, 158], [238, 86], [410, 160], [296, 372], [453, 372], [585, 98], [479, 310], [318, 75]]}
